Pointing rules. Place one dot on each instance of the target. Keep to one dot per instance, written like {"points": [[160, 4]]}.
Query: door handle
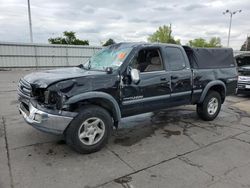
{"points": [[163, 79]]}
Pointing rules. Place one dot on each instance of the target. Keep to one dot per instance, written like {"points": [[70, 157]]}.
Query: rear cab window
{"points": [[175, 58]]}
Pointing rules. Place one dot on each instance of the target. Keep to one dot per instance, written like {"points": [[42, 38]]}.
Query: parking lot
{"points": [[170, 148]]}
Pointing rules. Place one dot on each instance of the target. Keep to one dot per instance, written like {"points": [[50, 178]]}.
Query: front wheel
{"points": [[89, 130], [209, 109]]}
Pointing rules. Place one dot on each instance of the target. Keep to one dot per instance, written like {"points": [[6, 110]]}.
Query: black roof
{"points": [[141, 44]]}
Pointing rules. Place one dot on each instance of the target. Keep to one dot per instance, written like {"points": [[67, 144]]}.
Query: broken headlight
{"points": [[53, 98], [49, 98], [56, 94]]}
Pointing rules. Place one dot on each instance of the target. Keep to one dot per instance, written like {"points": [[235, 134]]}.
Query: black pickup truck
{"points": [[84, 103]]}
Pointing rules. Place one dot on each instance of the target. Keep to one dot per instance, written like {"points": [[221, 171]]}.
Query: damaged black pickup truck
{"points": [[84, 103]]}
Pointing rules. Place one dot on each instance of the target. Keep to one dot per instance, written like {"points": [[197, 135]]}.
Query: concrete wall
{"points": [[43, 55], [14, 55]]}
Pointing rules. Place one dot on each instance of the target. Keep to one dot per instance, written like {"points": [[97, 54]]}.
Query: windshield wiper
{"points": [[89, 64], [88, 67], [81, 66], [84, 67]]}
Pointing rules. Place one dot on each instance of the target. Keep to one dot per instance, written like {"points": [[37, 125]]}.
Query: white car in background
{"points": [[243, 62]]}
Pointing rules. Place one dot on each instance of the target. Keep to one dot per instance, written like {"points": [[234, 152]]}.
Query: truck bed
{"points": [[210, 58]]}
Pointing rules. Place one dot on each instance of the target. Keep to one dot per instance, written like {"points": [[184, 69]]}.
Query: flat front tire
{"points": [[89, 130], [209, 109]]}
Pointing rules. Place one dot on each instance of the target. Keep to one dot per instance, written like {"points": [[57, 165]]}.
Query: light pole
{"points": [[30, 22], [247, 42], [231, 13]]}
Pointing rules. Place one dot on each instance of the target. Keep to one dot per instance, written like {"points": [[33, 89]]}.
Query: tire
{"points": [[209, 109], [89, 130]]}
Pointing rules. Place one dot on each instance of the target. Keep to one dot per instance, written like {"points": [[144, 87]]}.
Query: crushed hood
{"points": [[45, 78]]}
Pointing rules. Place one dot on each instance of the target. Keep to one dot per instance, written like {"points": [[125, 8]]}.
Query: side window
{"points": [[147, 60], [175, 58]]}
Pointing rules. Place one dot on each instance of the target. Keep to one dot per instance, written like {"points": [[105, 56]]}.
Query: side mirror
{"points": [[135, 75]]}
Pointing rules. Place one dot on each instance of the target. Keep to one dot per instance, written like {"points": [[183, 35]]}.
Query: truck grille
{"points": [[24, 89], [243, 82]]}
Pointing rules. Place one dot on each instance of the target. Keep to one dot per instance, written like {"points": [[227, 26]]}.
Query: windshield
{"points": [[243, 65], [243, 61], [112, 56]]}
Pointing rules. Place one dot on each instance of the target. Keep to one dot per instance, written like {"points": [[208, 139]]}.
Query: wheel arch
{"points": [[216, 85], [98, 98]]}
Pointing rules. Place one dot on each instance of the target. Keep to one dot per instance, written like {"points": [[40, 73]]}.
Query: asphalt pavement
{"points": [[170, 148]]}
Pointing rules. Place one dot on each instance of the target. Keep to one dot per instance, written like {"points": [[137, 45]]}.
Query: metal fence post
{"points": [[36, 60], [67, 57]]}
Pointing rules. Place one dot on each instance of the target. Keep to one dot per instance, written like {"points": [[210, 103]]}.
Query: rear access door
{"points": [[180, 75]]}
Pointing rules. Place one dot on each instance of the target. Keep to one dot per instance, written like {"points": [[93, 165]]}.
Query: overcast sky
{"points": [[123, 20]]}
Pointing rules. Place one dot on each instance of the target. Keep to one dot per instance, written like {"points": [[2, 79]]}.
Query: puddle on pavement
{"points": [[169, 133], [133, 135], [144, 129], [145, 126]]}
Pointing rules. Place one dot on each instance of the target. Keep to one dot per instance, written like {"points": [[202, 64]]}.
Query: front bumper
{"points": [[54, 122], [243, 88], [243, 91]]}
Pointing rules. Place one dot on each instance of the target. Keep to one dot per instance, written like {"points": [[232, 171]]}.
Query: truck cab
{"points": [[165, 79]]}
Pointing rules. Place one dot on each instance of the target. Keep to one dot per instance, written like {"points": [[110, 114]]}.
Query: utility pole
{"points": [[30, 22], [247, 43], [170, 30], [231, 13], [229, 31]]}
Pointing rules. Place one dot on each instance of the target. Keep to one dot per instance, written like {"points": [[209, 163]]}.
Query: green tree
{"points": [[214, 42], [164, 35], [68, 38], [246, 45], [200, 42], [109, 42]]}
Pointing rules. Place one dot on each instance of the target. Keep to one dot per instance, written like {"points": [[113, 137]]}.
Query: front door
{"points": [[153, 90]]}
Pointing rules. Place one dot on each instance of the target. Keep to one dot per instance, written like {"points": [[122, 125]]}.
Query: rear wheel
{"points": [[89, 130], [209, 109]]}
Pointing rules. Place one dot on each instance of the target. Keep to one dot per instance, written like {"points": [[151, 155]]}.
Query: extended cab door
{"points": [[180, 74], [153, 90]]}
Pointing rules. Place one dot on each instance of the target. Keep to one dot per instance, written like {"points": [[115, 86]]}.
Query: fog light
{"points": [[38, 117]]}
